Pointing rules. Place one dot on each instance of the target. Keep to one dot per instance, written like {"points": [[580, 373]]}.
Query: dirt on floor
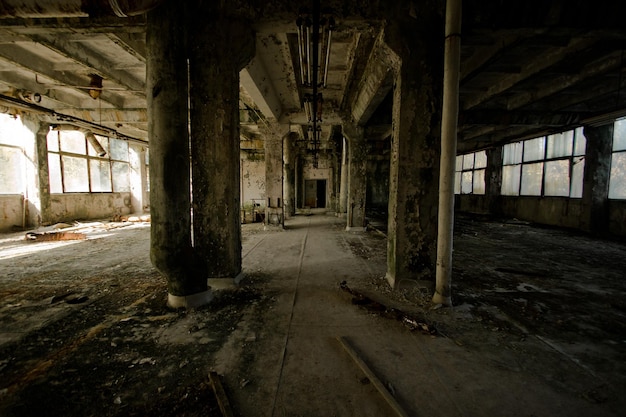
{"points": [[84, 330]]}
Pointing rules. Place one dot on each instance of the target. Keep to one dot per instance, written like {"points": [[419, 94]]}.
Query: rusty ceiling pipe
{"points": [[74, 8]]}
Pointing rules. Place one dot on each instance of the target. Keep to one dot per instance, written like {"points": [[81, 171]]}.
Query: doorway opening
{"points": [[315, 193]]}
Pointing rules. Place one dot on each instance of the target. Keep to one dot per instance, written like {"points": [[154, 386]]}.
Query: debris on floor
{"points": [[374, 306]]}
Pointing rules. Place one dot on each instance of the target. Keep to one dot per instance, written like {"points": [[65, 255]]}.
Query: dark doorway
{"points": [[315, 193]]}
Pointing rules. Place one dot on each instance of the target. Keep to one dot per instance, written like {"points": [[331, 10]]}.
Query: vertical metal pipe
{"points": [[443, 294]]}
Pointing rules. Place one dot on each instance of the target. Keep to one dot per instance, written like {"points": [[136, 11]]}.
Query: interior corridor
{"points": [[85, 330]]}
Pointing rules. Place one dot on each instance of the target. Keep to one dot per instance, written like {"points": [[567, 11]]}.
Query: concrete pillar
{"points": [[220, 46], [274, 199], [203, 73], [493, 178], [289, 174], [596, 179], [414, 170], [138, 195], [43, 174], [343, 187], [36, 160], [450, 113], [171, 249], [357, 174]]}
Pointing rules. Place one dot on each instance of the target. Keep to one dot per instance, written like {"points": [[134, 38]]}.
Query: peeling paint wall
{"points": [[551, 211], [11, 211], [252, 181], [86, 206]]}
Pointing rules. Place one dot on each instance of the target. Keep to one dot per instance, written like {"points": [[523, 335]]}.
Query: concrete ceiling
{"points": [[528, 68]]}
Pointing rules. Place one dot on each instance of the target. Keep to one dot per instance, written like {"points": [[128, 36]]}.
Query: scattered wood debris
{"points": [[220, 394], [54, 236], [387, 392], [389, 312]]}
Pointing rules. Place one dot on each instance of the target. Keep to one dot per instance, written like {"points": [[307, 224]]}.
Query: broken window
{"points": [[469, 177], [617, 181], [75, 165], [12, 158], [550, 165]]}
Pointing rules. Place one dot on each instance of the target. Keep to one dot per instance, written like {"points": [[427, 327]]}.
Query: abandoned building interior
{"points": [[312, 207]]}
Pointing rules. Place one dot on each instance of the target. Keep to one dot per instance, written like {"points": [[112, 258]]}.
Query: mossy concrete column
{"points": [[415, 37], [219, 48], [274, 199], [43, 173], [343, 185], [357, 178], [194, 57], [289, 174], [595, 216], [493, 178], [171, 249]]}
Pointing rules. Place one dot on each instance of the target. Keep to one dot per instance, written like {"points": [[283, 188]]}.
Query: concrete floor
{"points": [[537, 329]]}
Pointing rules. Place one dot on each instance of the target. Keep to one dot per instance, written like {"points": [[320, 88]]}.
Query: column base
{"points": [[359, 229], [189, 301], [225, 283], [440, 299]]}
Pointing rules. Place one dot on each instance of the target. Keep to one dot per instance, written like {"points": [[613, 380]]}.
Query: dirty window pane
{"points": [[512, 153], [578, 170], [459, 163], [468, 161], [560, 144], [54, 170], [100, 175], [580, 142], [73, 141], [119, 150], [121, 181], [104, 142], [75, 174], [531, 179], [557, 178], [617, 184], [510, 179], [534, 149], [11, 170], [457, 182], [481, 160], [619, 135], [479, 181], [13, 132], [148, 157], [466, 182], [53, 141]]}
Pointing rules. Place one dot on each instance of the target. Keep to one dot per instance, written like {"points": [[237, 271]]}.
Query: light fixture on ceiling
{"points": [[314, 45], [95, 86]]}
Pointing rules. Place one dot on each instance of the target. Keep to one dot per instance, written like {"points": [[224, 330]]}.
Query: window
{"points": [[550, 165], [12, 157], [470, 173], [617, 181], [76, 167]]}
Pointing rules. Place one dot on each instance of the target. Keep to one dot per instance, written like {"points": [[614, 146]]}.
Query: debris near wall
{"points": [[54, 236], [409, 320], [143, 218]]}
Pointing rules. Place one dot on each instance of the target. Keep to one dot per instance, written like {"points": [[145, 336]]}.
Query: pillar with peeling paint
{"points": [[343, 186], [357, 177], [595, 215], [274, 199], [414, 170], [194, 58], [289, 174]]}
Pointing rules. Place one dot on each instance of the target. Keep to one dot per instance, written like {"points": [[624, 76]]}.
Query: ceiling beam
{"points": [[256, 82], [533, 66], [78, 53], [22, 58], [376, 82]]}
